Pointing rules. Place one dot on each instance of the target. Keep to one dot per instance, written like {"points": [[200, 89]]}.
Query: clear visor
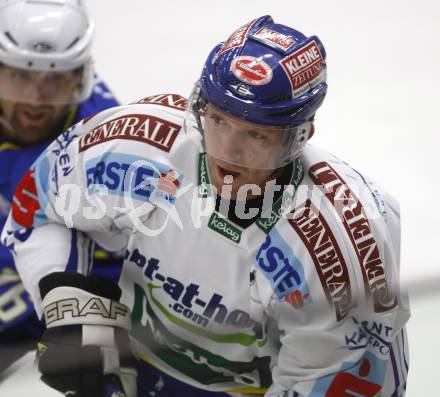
{"points": [[239, 142], [41, 87]]}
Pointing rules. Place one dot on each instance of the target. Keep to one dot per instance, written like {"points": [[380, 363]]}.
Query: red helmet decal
{"points": [[303, 67], [237, 39], [251, 70], [274, 39]]}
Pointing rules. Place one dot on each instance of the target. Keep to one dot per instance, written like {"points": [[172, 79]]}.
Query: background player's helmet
{"points": [[265, 73], [48, 37]]}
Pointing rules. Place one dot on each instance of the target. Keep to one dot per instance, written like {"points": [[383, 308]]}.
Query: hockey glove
{"points": [[85, 350]]}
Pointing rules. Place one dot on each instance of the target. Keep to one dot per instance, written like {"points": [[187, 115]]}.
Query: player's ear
{"points": [[311, 131]]}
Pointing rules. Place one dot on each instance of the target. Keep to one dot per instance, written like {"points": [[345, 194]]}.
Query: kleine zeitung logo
{"points": [[303, 65]]}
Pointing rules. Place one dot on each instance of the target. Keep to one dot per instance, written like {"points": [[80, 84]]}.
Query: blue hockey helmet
{"points": [[267, 74]]}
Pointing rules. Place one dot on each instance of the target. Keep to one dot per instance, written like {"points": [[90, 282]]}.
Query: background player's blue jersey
{"points": [[18, 321]]}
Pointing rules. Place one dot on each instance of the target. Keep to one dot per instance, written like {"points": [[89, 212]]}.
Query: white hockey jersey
{"points": [[304, 302]]}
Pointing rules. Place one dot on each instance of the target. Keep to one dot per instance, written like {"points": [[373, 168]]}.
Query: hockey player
{"points": [[255, 264], [47, 84]]}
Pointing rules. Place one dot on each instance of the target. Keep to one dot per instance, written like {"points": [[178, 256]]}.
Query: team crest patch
{"points": [[251, 70]]}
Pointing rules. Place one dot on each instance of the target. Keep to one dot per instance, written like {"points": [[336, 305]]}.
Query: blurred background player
{"points": [[47, 84]]}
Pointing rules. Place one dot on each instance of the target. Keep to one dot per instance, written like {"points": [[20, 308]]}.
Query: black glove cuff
{"points": [[94, 284]]}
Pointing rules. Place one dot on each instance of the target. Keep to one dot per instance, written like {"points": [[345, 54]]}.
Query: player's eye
{"points": [[258, 136], [21, 76], [216, 119]]}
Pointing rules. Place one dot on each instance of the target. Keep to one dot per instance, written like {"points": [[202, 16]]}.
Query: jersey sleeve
{"points": [[342, 331], [15, 303], [93, 182], [17, 314]]}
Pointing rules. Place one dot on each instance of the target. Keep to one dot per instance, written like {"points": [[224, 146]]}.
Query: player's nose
{"points": [[233, 145], [37, 92]]}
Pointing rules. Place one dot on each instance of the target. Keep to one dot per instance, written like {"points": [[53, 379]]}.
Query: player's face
{"points": [[29, 124], [241, 149], [32, 104]]}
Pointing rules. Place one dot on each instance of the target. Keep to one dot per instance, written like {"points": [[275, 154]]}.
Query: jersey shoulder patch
{"points": [[359, 218], [147, 126], [173, 101]]}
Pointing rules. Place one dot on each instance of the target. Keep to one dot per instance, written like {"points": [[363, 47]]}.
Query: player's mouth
{"points": [[227, 171], [33, 116]]}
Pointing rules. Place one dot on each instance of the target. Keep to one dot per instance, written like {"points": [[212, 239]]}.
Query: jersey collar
{"points": [[265, 223]]}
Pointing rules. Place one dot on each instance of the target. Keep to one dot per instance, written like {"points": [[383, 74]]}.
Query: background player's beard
{"points": [[29, 124]]}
